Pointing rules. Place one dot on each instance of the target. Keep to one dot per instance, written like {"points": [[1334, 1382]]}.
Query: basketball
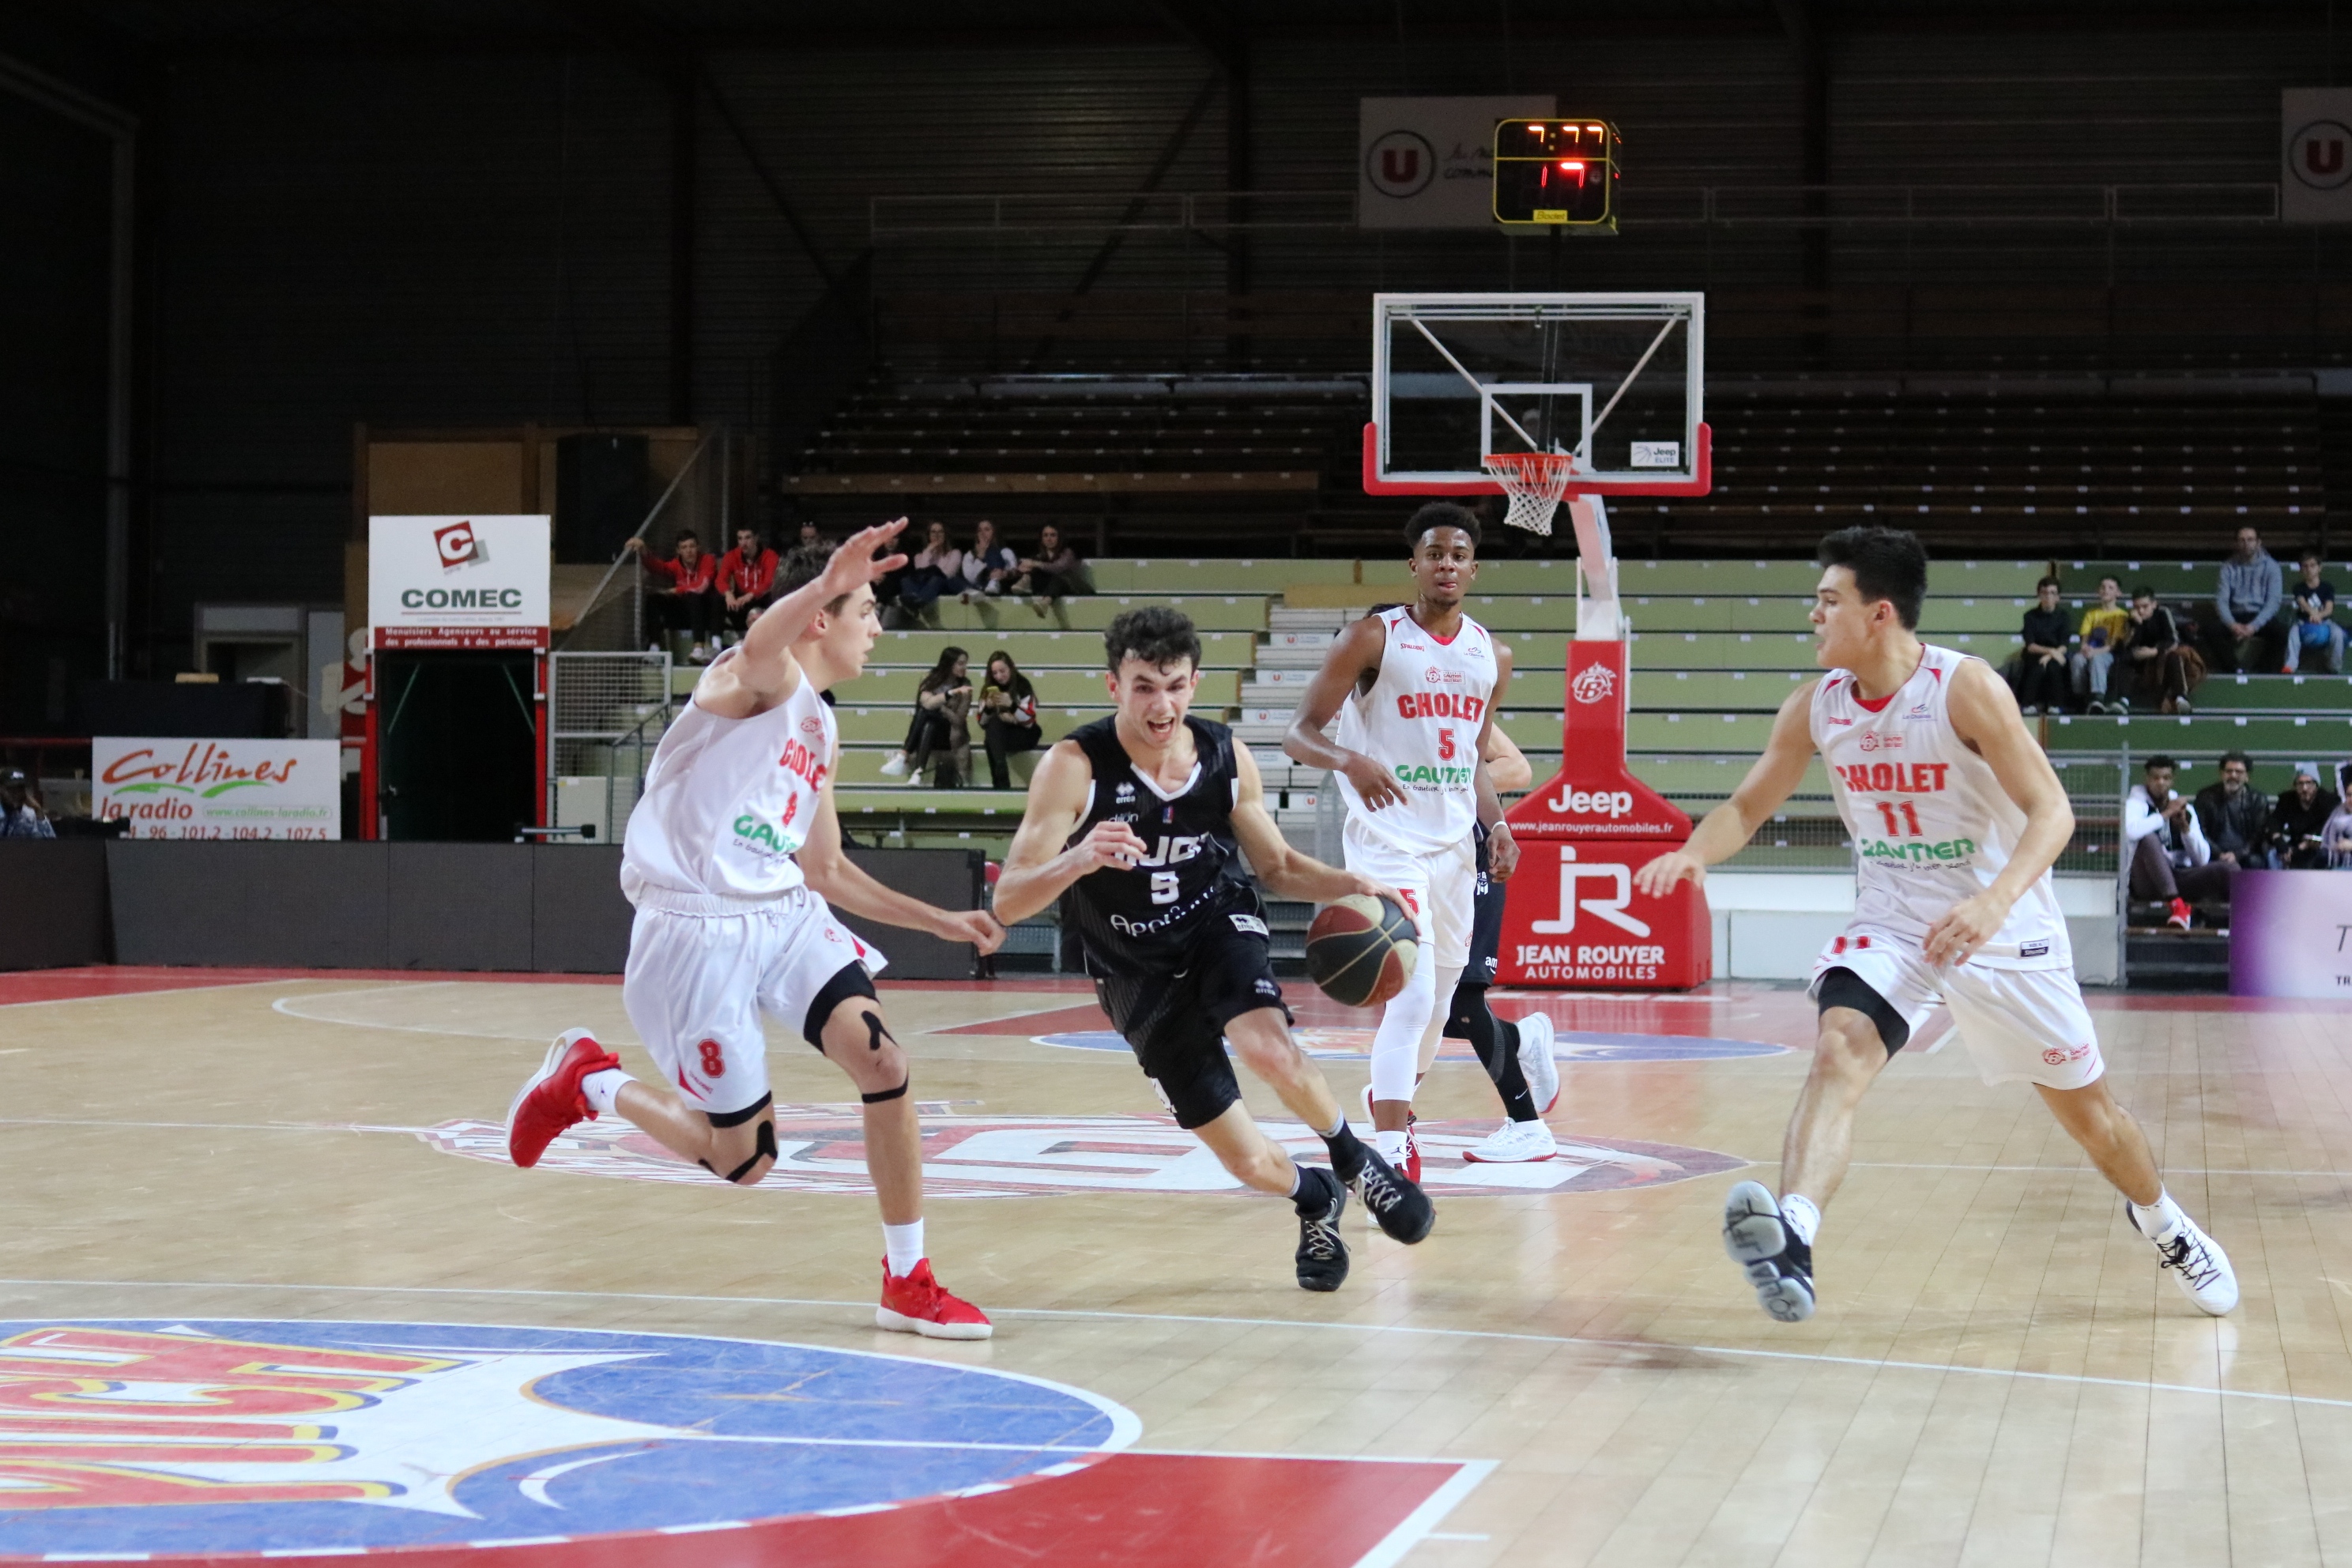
{"points": [[1360, 949]]}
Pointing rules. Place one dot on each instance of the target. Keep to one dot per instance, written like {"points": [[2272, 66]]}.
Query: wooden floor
{"points": [[1997, 1375]]}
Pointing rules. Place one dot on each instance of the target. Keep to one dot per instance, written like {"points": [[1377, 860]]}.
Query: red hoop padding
{"points": [[1701, 482]]}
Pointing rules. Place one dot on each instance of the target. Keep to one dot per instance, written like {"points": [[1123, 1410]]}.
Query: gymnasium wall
{"points": [[553, 909], [420, 238]]}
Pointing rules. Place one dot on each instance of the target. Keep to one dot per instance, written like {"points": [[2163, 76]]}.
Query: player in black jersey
{"points": [[1141, 820]]}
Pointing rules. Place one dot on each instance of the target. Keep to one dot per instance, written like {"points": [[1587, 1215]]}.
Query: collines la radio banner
{"points": [[174, 788]]}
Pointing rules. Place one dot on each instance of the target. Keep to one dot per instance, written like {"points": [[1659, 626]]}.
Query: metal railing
{"points": [[606, 712], [613, 617]]}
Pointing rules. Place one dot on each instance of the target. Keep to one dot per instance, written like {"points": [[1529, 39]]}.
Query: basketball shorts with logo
{"points": [[2019, 1025], [1486, 926], [697, 984], [1440, 886], [1174, 1021]]}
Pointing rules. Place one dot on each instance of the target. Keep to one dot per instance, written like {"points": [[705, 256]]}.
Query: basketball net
{"points": [[1535, 482]]}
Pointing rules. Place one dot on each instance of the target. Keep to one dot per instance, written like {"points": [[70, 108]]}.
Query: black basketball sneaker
{"points": [[1322, 1257], [1780, 1266], [1401, 1208]]}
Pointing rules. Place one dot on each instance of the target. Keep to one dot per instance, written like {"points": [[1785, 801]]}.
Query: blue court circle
{"points": [[449, 1434]]}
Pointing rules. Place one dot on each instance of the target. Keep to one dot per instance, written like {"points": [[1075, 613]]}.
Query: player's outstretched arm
{"points": [[1280, 870], [1771, 782], [1038, 869], [1354, 660], [838, 882], [763, 672], [1985, 717]]}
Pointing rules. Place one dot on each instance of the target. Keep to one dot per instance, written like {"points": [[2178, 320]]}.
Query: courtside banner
{"points": [[2291, 934], [458, 581], [176, 788]]}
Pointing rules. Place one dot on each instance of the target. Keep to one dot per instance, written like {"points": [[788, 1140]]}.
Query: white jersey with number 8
{"points": [[1930, 824], [1421, 721]]}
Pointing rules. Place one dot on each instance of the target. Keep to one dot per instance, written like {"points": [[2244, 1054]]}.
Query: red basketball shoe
{"points": [[915, 1303], [551, 1099]]}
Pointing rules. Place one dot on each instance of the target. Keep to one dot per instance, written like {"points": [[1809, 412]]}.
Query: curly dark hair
{"points": [[1155, 634]]}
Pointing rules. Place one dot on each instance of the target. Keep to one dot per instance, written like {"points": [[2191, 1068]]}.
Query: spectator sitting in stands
{"points": [[2042, 672], [2246, 603], [2105, 627], [943, 701], [2294, 836], [20, 808], [2163, 671], [936, 567], [746, 578], [690, 602], [2170, 861], [1008, 717], [2233, 813], [1054, 573], [2313, 623], [988, 566], [811, 537]]}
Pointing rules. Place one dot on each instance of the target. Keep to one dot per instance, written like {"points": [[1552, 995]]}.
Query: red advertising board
{"points": [[1573, 920]]}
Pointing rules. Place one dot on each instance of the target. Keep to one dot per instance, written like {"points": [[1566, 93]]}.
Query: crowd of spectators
{"points": [[2182, 850]]}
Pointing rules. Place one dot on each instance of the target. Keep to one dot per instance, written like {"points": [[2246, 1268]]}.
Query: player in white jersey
{"points": [[731, 856], [1414, 689], [1956, 817]]}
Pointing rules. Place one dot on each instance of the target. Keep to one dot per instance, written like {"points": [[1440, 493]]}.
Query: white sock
{"points": [[603, 1089], [2159, 1220], [902, 1244], [1802, 1215], [1389, 1145]]}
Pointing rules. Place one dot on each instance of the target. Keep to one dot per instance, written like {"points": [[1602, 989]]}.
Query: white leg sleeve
{"points": [[1447, 979], [1396, 1046]]}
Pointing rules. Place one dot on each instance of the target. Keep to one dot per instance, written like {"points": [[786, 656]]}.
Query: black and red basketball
{"points": [[1360, 949]]}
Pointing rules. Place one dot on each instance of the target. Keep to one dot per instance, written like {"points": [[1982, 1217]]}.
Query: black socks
{"points": [[1346, 1154], [1317, 1188], [1498, 1045]]}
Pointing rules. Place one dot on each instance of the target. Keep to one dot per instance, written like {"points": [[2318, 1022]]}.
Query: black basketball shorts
{"points": [[1174, 1020], [1486, 927]]}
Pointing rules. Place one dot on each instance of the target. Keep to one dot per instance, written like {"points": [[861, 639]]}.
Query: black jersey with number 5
{"points": [[1143, 919]]}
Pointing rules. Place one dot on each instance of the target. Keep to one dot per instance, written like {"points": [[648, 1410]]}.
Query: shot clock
{"points": [[1556, 174]]}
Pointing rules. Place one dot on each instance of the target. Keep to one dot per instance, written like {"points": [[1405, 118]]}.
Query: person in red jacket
{"points": [[687, 595], [746, 578]]}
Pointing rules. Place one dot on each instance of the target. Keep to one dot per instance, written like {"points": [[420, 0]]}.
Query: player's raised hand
{"points": [[1112, 844], [1376, 785], [978, 927], [858, 561], [1966, 927], [1669, 871]]}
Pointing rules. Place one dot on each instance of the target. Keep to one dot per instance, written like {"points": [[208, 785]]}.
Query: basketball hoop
{"points": [[1535, 482]]}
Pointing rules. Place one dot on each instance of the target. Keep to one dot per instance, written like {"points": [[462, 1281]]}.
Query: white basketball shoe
{"points": [[2198, 1265], [1537, 1061], [1514, 1143]]}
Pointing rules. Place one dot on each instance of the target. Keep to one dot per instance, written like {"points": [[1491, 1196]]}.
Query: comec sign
{"points": [[458, 581]]}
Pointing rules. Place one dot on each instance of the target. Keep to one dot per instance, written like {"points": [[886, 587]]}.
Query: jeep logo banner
{"points": [[1572, 919]]}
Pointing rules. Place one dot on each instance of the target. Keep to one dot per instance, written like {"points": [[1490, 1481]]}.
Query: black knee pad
{"points": [[849, 980], [1842, 987], [763, 1148], [885, 1096]]}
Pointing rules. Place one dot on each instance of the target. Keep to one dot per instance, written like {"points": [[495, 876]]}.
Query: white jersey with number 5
{"points": [[1421, 722], [1930, 823], [729, 802]]}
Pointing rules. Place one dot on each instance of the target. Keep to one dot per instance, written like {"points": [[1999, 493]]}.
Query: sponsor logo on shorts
{"points": [[2034, 950], [1251, 925], [1265, 987], [2059, 1056]]}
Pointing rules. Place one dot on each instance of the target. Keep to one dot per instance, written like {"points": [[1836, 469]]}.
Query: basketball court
{"points": [[585, 1362]]}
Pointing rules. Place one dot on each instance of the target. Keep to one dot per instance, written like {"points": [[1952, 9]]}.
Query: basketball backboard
{"points": [[1614, 380]]}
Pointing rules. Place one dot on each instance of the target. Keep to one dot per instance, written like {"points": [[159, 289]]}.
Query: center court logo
{"points": [[820, 1149], [167, 1436]]}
